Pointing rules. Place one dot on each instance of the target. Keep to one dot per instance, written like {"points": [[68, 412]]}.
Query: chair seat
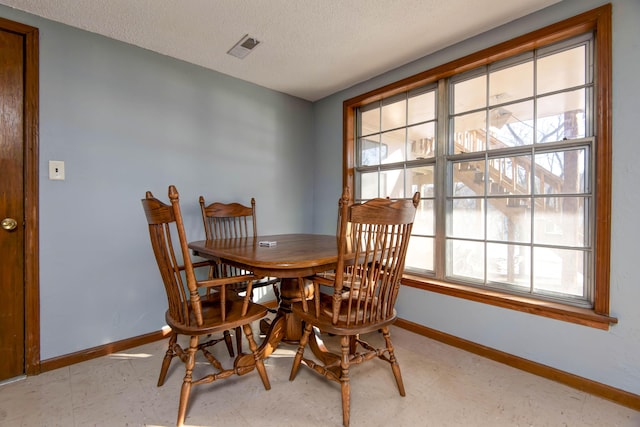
{"points": [[212, 317], [324, 319]]}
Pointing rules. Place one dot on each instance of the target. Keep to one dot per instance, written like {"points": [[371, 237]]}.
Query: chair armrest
{"points": [[221, 281], [325, 279], [201, 264], [196, 265]]}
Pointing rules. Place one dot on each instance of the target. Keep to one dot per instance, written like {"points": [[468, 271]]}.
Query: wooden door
{"points": [[18, 226]]}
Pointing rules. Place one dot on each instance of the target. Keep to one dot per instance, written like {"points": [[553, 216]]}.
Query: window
{"points": [[510, 149]]}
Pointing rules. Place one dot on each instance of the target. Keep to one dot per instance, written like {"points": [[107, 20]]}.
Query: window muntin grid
{"points": [[517, 176]]}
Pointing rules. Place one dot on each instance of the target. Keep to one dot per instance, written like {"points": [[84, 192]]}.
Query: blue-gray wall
{"points": [[610, 357], [126, 120]]}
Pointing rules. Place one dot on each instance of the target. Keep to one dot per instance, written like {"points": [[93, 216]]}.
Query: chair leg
{"points": [[276, 292], [167, 358], [303, 342], [345, 386], [395, 366], [353, 344], [259, 362], [186, 383], [229, 343], [239, 340]]}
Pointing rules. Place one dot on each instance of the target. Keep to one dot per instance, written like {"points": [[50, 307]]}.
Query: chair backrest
{"points": [[228, 220], [372, 246], [165, 223]]}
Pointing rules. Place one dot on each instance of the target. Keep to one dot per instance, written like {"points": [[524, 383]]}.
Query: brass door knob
{"points": [[9, 224]]}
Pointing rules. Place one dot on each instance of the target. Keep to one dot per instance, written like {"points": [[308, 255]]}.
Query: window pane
{"points": [[392, 184], [369, 151], [561, 116], [508, 223], [467, 219], [466, 259], [561, 70], [420, 254], [370, 121], [511, 125], [560, 221], [368, 185], [420, 179], [470, 94], [424, 220], [394, 115], [394, 146], [561, 172], [558, 271], [511, 84], [422, 108], [510, 175], [468, 178], [509, 264], [421, 139], [469, 132]]}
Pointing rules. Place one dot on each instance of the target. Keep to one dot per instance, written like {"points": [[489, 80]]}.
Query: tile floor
{"points": [[445, 387]]}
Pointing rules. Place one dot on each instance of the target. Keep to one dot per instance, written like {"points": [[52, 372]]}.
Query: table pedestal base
{"points": [[285, 326]]}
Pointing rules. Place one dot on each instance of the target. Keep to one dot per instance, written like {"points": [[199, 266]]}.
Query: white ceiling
{"points": [[309, 48]]}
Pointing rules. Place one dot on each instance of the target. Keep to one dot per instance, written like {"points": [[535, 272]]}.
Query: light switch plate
{"points": [[56, 170]]}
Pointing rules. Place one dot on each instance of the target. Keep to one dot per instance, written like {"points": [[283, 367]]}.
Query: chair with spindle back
{"points": [[233, 220], [372, 244], [194, 313]]}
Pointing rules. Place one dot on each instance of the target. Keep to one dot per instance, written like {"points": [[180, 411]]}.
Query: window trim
{"points": [[597, 20]]}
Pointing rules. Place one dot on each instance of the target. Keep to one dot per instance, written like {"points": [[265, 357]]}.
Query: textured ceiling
{"points": [[309, 48]]}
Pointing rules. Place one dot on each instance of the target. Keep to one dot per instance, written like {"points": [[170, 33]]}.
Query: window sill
{"points": [[581, 316]]}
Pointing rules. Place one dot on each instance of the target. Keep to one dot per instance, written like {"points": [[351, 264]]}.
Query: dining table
{"points": [[289, 257]]}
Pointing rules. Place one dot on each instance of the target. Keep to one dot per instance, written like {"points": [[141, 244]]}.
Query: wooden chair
{"points": [[372, 245], [233, 220], [190, 313]]}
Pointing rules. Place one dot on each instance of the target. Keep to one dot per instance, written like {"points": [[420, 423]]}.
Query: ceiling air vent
{"points": [[243, 47]]}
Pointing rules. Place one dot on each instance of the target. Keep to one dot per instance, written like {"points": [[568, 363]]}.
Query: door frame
{"points": [[30, 193]]}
